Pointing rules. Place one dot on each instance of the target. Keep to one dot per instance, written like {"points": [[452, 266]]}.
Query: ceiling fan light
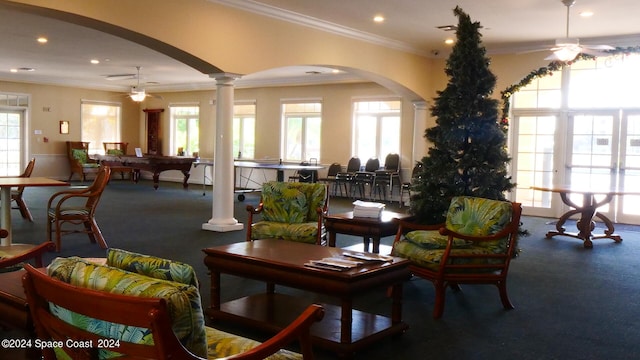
{"points": [[138, 96], [566, 53]]}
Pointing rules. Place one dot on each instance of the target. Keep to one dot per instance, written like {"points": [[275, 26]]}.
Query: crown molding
{"points": [[314, 23]]}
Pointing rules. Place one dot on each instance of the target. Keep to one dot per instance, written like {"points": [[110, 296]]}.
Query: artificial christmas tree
{"points": [[468, 154]]}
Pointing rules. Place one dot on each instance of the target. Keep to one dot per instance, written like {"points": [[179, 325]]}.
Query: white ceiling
{"points": [[508, 26]]}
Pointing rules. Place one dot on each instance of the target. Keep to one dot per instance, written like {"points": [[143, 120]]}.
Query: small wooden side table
{"points": [[371, 229]]}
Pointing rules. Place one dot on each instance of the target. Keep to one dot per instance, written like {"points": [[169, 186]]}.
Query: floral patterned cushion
{"points": [[284, 203], [152, 266], [80, 155], [115, 152], [304, 232], [431, 239], [316, 196], [183, 302], [479, 217], [222, 344], [430, 258]]}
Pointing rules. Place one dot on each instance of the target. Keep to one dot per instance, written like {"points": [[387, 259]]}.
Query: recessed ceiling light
{"points": [[14, 70], [449, 41], [95, 61], [586, 13], [378, 18], [42, 40]]}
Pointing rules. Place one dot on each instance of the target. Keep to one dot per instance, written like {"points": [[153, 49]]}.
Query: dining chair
{"points": [[345, 178], [16, 193], [78, 207], [388, 177], [364, 179], [330, 179]]}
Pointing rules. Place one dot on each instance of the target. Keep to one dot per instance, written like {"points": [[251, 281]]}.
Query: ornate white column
{"points": [[222, 214], [420, 116]]}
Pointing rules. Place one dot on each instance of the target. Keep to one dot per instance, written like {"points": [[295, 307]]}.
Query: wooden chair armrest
{"points": [[35, 254], [298, 329], [501, 234], [254, 209]]}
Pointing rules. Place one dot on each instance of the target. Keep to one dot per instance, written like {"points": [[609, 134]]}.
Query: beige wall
{"points": [[64, 104], [239, 42], [258, 43]]}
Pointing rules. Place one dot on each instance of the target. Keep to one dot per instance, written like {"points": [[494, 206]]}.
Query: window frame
{"points": [[306, 154], [241, 121], [96, 144], [189, 118], [380, 151]]}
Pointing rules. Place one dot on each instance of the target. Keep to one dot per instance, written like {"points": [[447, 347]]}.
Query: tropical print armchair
{"points": [[148, 276], [291, 211], [475, 246], [79, 161]]}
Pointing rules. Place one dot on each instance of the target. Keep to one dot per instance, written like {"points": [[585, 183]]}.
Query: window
{"points": [[100, 122], [376, 128], [301, 128], [244, 124], [185, 133]]}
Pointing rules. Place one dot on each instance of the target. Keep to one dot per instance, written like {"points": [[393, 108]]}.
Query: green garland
{"points": [[547, 71]]}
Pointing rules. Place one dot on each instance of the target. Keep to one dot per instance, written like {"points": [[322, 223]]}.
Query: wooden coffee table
{"points": [[369, 228], [343, 329]]}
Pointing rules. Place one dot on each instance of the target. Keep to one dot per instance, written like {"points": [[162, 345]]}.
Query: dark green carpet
{"points": [[571, 302]]}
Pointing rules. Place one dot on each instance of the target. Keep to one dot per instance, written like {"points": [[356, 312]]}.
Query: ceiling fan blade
{"points": [[121, 77], [546, 48], [552, 57], [594, 52], [598, 47]]}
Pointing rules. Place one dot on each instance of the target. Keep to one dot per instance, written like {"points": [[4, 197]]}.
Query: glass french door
{"points": [[11, 134], [590, 149], [535, 147], [629, 205], [592, 157]]}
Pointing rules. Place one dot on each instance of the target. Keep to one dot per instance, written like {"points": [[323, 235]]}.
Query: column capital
{"points": [[420, 105], [225, 78]]}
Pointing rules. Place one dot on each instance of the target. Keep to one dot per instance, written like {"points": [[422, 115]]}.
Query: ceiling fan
{"points": [[137, 93], [566, 49]]}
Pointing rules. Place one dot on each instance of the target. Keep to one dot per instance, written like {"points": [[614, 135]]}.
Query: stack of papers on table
{"points": [[368, 256], [367, 209], [334, 263]]}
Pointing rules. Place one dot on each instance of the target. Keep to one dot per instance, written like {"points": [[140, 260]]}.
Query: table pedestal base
{"points": [[585, 226]]}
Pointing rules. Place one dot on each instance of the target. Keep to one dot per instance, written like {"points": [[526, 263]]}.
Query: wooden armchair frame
{"points": [[75, 166], [63, 208], [481, 269], [150, 313], [109, 146]]}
